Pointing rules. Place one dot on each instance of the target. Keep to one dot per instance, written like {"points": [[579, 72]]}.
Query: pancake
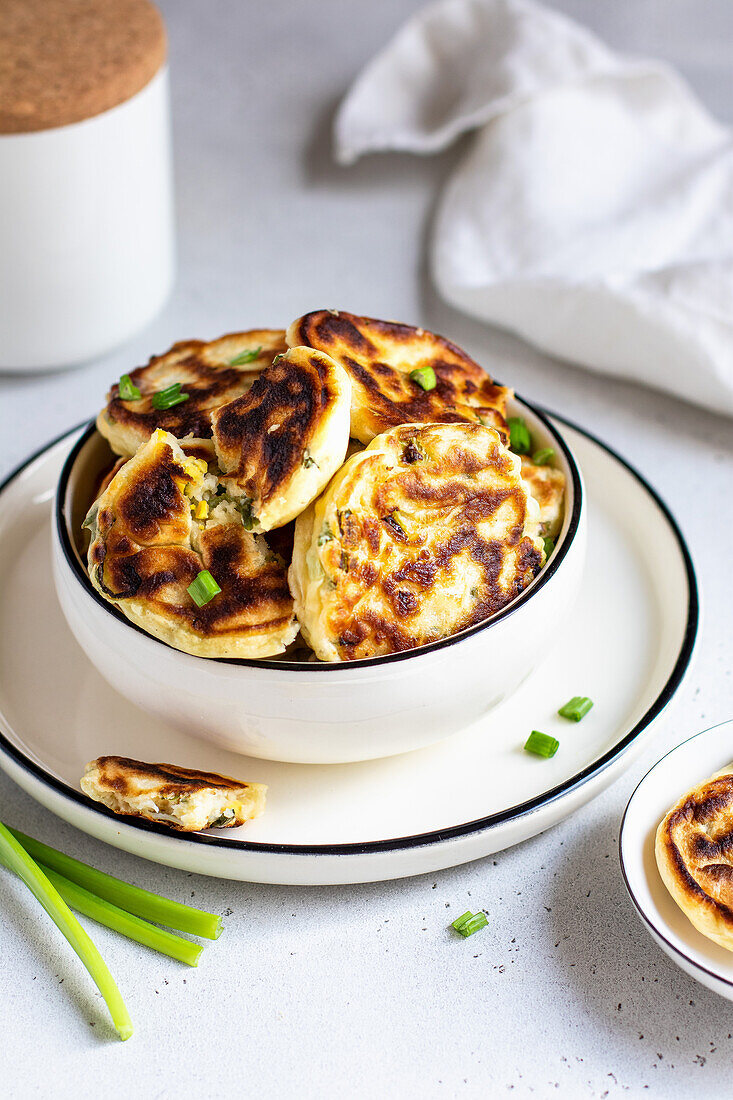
{"points": [[208, 373], [280, 443], [547, 486], [379, 356], [181, 798], [426, 532], [146, 549], [694, 850]]}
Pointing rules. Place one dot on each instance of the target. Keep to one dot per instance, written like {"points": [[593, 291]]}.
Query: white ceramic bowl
{"points": [[310, 712]]}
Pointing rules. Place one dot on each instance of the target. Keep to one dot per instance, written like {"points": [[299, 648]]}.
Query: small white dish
{"points": [[474, 794], [318, 713], [682, 768]]}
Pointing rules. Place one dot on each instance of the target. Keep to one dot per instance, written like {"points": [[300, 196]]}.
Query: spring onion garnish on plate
{"points": [[520, 441], [127, 390], [543, 456], [133, 899], [14, 856], [541, 744], [549, 545], [170, 396], [576, 708], [469, 922], [245, 357], [203, 589], [424, 377]]}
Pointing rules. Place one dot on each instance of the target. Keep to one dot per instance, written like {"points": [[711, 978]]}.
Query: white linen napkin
{"points": [[593, 213]]}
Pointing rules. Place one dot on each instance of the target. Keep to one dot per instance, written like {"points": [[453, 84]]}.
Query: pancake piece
{"points": [[211, 374], [157, 525], [281, 442], [181, 798], [547, 486], [428, 531], [694, 850], [379, 356]]}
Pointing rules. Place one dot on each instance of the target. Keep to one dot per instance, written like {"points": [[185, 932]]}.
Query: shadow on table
{"points": [[618, 972]]}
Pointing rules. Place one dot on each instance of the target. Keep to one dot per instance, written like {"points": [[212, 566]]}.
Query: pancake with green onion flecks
{"points": [[426, 532], [379, 357], [182, 798], [155, 528], [210, 375]]}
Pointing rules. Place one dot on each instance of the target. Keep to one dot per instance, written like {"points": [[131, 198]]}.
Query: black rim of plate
{"points": [[323, 668], [637, 904], [521, 810]]}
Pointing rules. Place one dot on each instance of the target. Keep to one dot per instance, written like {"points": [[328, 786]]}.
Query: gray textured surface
{"points": [[361, 991]]}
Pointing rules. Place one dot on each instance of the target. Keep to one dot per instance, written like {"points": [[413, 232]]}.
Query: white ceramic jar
{"points": [[86, 226]]}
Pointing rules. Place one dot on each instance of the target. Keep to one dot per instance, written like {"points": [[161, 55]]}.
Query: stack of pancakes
{"points": [[337, 503]]}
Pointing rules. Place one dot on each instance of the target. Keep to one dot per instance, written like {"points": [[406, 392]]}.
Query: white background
{"points": [[361, 991]]}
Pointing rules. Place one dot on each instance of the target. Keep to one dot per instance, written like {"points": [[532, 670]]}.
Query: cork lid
{"points": [[62, 61]]}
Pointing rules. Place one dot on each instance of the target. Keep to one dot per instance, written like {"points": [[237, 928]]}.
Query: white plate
{"points": [[627, 645], [681, 769]]}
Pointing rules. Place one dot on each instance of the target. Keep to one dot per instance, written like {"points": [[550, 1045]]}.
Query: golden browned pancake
{"points": [[210, 374], [427, 531], [379, 356], [181, 798], [281, 442], [547, 486], [694, 850], [146, 549]]}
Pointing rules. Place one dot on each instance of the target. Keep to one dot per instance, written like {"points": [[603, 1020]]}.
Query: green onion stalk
{"points": [[133, 899], [14, 856]]}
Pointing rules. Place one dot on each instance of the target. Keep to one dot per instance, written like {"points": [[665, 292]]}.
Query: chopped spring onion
{"points": [[203, 589], [576, 708], [104, 912], [244, 507], [543, 456], [469, 923], [541, 744], [14, 856], [127, 390], [520, 441], [170, 396], [549, 545], [133, 899], [424, 377], [245, 357]]}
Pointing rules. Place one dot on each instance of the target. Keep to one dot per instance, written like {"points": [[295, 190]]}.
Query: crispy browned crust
{"points": [[395, 529], [141, 552], [122, 774], [253, 592], [379, 355], [206, 375], [128, 779], [262, 436], [694, 850]]}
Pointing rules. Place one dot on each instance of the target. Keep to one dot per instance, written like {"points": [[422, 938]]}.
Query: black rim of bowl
{"points": [[418, 840], [321, 667]]}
